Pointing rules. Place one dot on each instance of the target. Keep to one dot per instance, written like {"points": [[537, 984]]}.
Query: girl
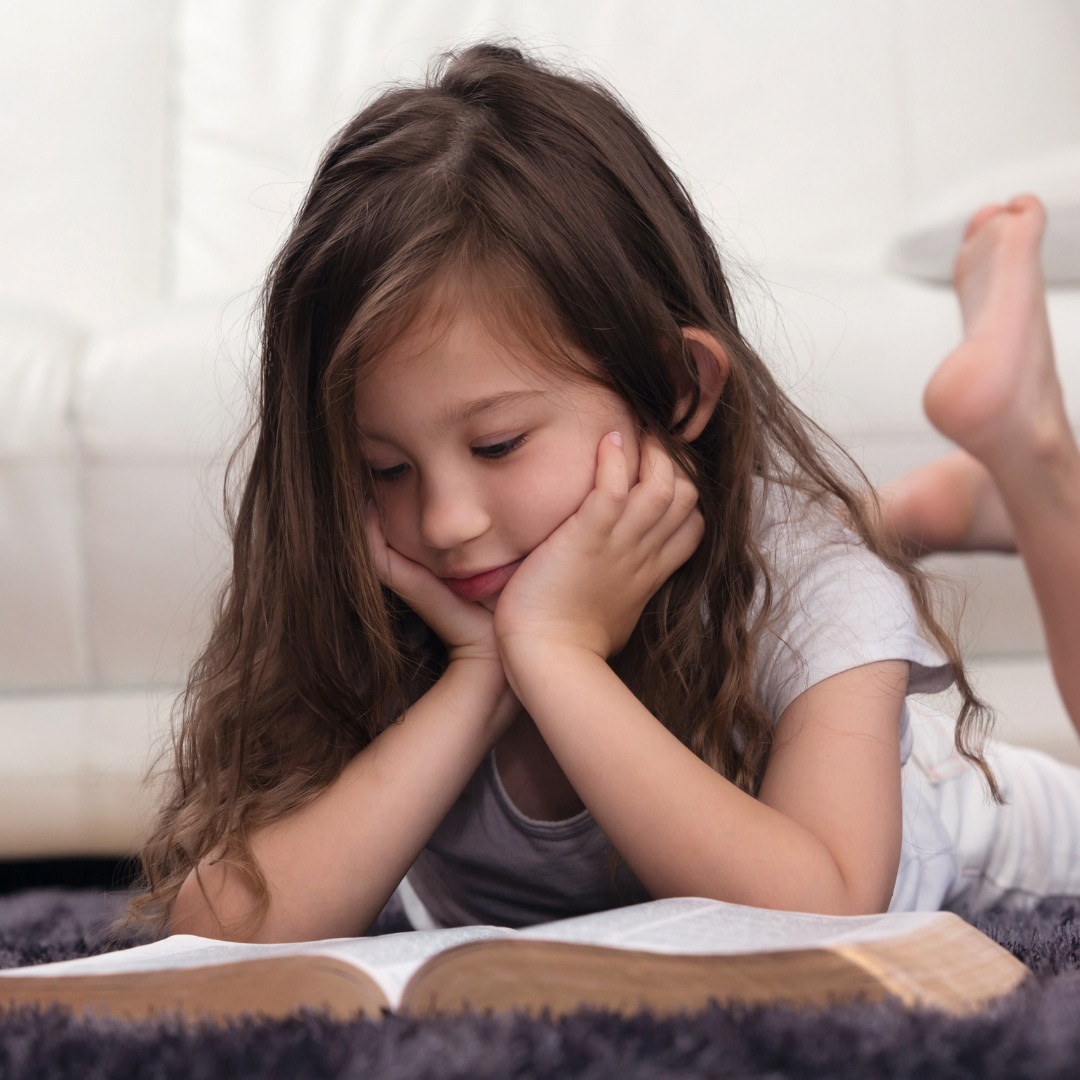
{"points": [[543, 593]]}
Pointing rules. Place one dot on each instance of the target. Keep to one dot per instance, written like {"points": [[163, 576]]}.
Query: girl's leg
{"points": [[963, 849], [999, 398], [949, 505]]}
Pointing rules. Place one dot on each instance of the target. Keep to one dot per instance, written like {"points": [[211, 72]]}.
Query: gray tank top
{"points": [[489, 864]]}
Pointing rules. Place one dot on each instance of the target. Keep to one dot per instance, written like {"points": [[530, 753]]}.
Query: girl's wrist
{"points": [[529, 656], [549, 638], [488, 671], [484, 689]]}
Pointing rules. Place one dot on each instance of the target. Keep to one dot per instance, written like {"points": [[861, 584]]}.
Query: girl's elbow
{"points": [[191, 910], [865, 897], [860, 885], [841, 903], [862, 905], [212, 903], [835, 893]]}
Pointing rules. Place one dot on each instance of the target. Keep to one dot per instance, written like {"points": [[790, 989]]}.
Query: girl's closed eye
{"points": [[395, 472], [499, 449], [489, 451]]}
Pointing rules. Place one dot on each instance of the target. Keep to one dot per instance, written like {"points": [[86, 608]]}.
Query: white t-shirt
{"points": [[836, 606]]}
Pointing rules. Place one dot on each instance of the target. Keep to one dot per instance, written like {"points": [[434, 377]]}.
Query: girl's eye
{"points": [[500, 449], [494, 450], [390, 474]]}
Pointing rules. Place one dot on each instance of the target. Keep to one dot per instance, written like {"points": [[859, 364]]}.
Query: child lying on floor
{"points": [[543, 592]]}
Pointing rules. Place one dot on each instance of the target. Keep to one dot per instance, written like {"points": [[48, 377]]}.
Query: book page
{"points": [[695, 926], [389, 959], [392, 959]]}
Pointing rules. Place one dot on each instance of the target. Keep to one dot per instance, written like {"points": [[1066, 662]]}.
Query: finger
{"points": [[681, 544], [604, 504], [453, 619], [427, 595], [414, 583], [648, 453], [682, 505], [650, 499]]}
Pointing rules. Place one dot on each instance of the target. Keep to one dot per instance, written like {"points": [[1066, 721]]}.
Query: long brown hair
{"points": [[496, 168]]}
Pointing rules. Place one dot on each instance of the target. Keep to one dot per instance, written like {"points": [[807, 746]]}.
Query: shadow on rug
{"points": [[1034, 1033]]}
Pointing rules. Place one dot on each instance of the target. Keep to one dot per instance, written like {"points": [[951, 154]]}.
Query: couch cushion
{"points": [[751, 100], [981, 82], [802, 129], [83, 115], [161, 406], [172, 384], [929, 244], [42, 597], [73, 771], [856, 352]]}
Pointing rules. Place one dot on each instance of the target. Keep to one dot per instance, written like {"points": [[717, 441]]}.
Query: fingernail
{"points": [[616, 438]]}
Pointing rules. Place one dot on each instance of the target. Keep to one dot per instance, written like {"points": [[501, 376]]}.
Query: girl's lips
{"points": [[481, 585]]}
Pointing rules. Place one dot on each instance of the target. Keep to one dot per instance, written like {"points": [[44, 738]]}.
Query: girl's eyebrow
{"points": [[469, 410]]}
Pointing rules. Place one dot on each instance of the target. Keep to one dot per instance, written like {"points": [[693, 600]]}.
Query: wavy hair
{"points": [[496, 168]]}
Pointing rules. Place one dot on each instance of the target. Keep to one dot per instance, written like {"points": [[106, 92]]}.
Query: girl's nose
{"points": [[451, 514]]}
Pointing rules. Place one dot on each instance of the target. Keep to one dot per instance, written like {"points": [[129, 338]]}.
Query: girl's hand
{"points": [[587, 584], [466, 629]]}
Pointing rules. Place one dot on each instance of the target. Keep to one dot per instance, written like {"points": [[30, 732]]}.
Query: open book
{"points": [[665, 955]]}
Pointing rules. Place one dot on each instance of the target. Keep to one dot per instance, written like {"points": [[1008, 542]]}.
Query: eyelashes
{"points": [[492, 452], [500, 449], [390, 474]]}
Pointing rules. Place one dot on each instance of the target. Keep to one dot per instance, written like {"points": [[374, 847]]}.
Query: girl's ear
{"points": [[713, 365]]}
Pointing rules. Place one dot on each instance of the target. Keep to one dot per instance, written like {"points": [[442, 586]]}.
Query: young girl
{"points": [[543, 593]]}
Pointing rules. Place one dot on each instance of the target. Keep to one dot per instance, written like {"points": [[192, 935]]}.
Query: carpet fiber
{"points": [[1034, 1033]]}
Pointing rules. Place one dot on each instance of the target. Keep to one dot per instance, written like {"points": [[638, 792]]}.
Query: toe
{"points": [[980, 218]]}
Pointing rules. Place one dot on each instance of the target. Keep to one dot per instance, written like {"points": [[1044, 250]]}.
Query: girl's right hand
{"points": [[466, 629]]}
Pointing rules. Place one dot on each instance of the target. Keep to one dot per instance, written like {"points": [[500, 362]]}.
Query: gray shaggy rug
{"points": [[1034, 1033]]}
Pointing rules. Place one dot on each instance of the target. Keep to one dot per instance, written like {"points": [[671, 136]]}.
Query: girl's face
{"points": [[479, 452]]}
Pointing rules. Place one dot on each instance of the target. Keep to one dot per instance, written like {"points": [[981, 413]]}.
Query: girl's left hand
{"points": [[588, 582]]}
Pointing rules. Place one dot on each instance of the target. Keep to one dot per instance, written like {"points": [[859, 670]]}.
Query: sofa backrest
{"points": [[84, 86], [159, 147], [805, 129]]}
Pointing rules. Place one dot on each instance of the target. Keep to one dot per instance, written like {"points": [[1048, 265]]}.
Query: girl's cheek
{"points": [[395, 518], [543, 501]]}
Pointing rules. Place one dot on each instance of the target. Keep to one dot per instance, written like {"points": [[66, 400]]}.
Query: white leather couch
{"points": [[152, 154]]}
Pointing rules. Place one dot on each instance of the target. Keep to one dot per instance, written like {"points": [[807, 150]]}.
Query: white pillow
{"points": [[927, 248]]}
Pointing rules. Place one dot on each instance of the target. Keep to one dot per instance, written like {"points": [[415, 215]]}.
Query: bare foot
{"points": [[950, 505], [998, 395]]}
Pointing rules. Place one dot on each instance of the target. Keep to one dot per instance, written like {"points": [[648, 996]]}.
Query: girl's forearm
{"points": [[683, 829], [332, 865]]}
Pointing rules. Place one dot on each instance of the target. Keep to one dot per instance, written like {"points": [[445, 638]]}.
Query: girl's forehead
{"points": [[462, 373], [467, 347]]}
